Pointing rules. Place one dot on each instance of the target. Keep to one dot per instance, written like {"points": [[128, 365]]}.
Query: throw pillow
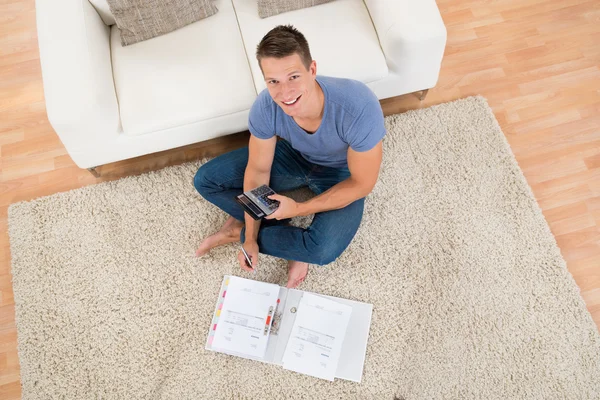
{"points": [[268, 8], [140, 20]]}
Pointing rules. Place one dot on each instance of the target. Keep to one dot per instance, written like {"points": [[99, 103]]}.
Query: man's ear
{"points": [[313, 68]]}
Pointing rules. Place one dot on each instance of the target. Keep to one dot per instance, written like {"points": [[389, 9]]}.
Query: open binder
{"points": [[258, 321]]}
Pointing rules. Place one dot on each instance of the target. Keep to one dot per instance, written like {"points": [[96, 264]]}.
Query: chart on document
{"points": [[317, 336], [242, 325]]}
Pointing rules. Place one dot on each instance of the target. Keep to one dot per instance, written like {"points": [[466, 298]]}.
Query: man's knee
{"points": [[327, 257], [326, 244], [326, 252], [202, 181], [221, 173]]}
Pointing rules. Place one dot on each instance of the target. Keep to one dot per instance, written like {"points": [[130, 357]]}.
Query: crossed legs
{"points": [[221, 179]]}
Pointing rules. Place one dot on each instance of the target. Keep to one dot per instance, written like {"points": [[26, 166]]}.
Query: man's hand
{"points": [[251, 248], [288, 208]]}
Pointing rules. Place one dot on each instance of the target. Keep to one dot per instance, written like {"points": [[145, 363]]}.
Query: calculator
{"points": [[256, 202]]}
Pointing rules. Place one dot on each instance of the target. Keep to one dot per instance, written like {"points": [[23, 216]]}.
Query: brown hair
{"points": [[283, 41]]}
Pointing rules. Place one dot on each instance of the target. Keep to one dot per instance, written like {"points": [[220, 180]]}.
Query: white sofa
{"points": [[109, 103]]}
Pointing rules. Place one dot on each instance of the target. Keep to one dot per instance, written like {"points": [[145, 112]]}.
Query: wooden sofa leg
{"points": [[423, 94], [94, 172]]}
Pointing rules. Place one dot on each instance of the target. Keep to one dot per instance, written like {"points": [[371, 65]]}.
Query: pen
{"points": [[248, 259]]}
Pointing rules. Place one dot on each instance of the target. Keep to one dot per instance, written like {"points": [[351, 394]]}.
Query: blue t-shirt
{"points": [[352, 118]]}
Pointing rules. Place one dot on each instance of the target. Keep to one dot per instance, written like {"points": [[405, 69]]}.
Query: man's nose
{"points": [[287, 91]]}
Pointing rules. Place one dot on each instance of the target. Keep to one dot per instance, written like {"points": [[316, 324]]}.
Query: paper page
{"points": [[316, 340], [243, 317]]}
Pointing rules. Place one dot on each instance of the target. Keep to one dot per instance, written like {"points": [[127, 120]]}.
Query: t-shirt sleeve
{"points": [[259, 123], [368, 128]]}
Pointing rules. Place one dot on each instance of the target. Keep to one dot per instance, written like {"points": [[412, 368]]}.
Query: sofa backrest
{"points": [[102, 8]]}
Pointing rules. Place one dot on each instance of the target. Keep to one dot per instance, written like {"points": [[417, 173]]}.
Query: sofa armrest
{"points": [[411, 33], [79, 90]]}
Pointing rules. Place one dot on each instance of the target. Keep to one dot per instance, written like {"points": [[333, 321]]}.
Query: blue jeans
{"points": [[330, 232]]}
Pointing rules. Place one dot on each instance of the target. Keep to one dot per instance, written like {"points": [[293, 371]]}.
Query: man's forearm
{"points": [[253, 180], [338, 196], [252, 227]]}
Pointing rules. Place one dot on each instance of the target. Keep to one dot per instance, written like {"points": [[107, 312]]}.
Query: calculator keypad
{"points": [[262, 193]]}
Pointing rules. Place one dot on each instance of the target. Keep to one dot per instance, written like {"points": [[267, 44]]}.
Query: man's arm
{"points": [[364, 170], [258, 172]]}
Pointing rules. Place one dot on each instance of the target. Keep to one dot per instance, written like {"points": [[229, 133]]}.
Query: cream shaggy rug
{"points": [[471, 297]]}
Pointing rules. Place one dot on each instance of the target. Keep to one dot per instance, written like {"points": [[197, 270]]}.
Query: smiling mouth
{"points": [[291, 103]]}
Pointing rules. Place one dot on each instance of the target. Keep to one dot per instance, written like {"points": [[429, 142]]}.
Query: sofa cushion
{"points": [[268, 8], [192, 74], [140, 20], [348, 48], [103, 10]]}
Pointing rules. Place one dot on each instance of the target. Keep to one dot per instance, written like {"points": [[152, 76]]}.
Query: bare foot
{"points": [[297, 271], [230, 232]]}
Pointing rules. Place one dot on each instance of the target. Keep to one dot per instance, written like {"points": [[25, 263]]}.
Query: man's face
{"points": [[290, 85]]}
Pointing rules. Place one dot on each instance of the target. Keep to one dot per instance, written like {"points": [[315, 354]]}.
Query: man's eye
{"points": [[295, 76]]}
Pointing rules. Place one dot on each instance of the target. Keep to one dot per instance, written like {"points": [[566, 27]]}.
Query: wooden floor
{"points": [[536, 61]]}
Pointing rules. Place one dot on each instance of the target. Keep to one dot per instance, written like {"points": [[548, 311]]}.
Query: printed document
{"points": [[317, 336], [242, 326]]}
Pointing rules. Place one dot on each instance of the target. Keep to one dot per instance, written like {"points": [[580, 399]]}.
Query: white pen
{"points": [[248, 259]]}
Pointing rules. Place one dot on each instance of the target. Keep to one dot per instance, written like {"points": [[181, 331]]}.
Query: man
{"points": [[331, 130]]}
